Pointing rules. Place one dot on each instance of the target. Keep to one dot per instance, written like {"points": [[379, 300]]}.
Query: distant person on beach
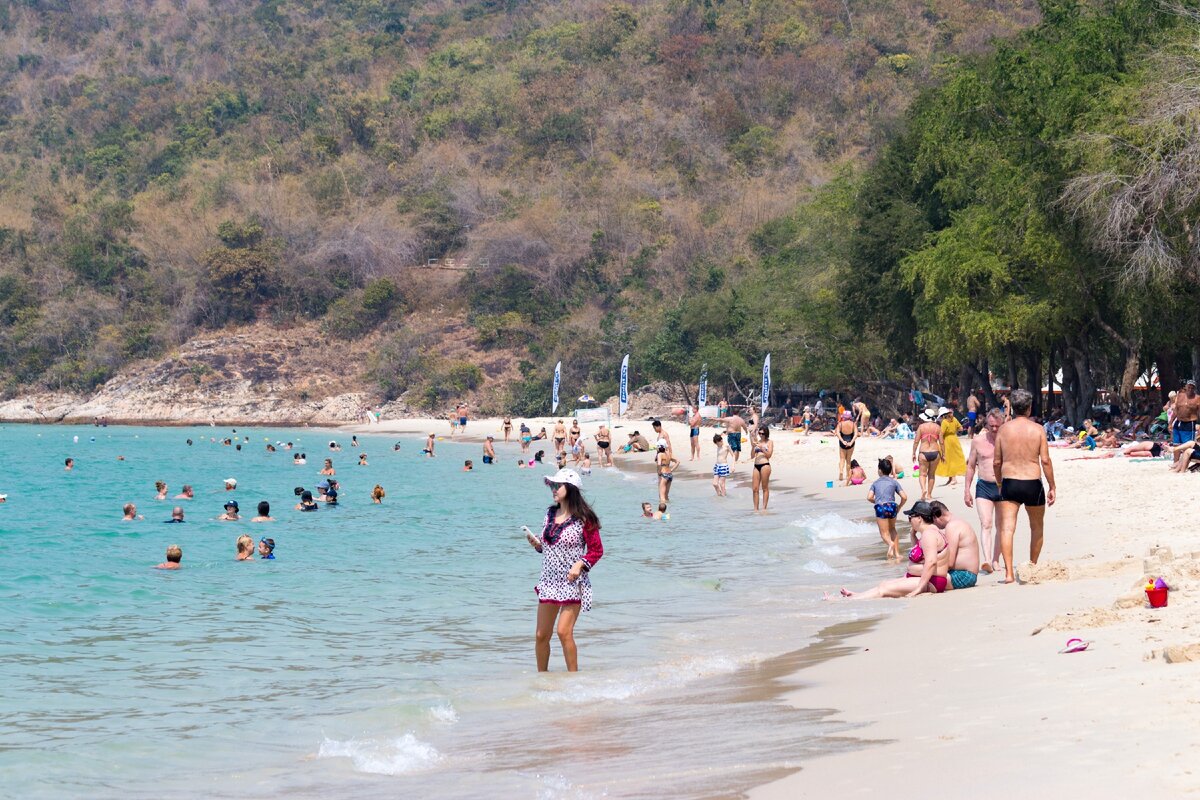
{"points": [[541, 434], [1187, 411], [928, 560], [604, 446], [176, 515], [847, 436], [461, 411], [161, 488], [722, 409], [570, 546], [574, 434], [987, 491], [1020, 459], [70, 465], [560, 436], [377, 494], [130, 512], [761, 478], [806, 420], [245, 548], [231, 512], [953, 462], [721, 468], [660, 435], [428, 451], [526, 437], [883, 494], [506, 426], [694, 434], [963, 547], [972, 416], [665, 462], [928, 440], [857, 476], [489, 450], [328, 468], [862, 416], [264, 512], [266, 549], [174, 557], [735, 427], [637, 443]]}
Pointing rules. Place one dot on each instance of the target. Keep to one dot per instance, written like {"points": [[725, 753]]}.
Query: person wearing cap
{"points": [[953, 462], [230, 484], [1187, 411], [231, 512], [489, 450], [928, 440], [570, 546], [928, 560], [266, 549]]}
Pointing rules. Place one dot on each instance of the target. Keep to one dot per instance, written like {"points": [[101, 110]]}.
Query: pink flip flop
{"points": [[1075, 646]]}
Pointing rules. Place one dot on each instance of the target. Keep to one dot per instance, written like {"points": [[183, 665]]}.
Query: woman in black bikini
{"points": [[761, 479], [603, 445], [847, 435], [929, 439]]}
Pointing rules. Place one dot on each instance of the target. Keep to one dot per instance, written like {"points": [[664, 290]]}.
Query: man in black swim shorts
{"points": [[1021, 458]]}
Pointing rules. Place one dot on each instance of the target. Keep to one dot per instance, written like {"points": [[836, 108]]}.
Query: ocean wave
{"points": [[396, 756], [832, 526], [818, 567], [832, 550], [671, 675], [443, 713]]}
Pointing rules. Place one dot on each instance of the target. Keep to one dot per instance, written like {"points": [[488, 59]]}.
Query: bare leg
{"points": [[1037, 516], [766, 485], [895, 534], [897, 587], [545, 627], [986, 509], [1007, 518], [717, 485], [662, 490], [755, 480], [886, 535], [566, 636]]}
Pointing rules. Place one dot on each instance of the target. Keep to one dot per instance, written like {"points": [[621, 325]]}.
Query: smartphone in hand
{"points": [[533, 540]]}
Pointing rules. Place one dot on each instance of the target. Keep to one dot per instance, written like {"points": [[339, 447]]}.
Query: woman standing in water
{"points": [[928, 439], [847, 435], [762, 453], [666, 462], [570, 546]]}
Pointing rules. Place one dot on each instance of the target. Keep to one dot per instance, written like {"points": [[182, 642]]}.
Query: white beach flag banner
{"points": [[766, 387], [624, 386], [557, 379], [702, 400]]}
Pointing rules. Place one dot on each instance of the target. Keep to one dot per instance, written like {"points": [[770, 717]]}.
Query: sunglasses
{"points": [[554, 487]]}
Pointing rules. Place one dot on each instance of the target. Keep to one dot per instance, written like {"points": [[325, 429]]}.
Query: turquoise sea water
{"points": [[387, 651]]}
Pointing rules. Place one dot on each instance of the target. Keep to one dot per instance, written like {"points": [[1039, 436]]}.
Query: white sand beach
{"points": [[970, 685]]}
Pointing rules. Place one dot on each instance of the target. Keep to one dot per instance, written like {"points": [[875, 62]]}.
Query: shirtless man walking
{"points": [[735, 427], [1187, 411], [694, 434], [972, 415], [987, 492], [962, 545], [1020, 459]]}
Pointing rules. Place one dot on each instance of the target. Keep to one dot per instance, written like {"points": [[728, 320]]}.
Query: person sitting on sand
{"points": [[306, 502], [883, 495], [857, 476], [963, 551], [174, 557], [328, 468], [231, 512], [266, 549], [585, 464], [890, 432], [377, 495], [264, 512], [638, 443], [929, 560], [131, 515], [541, 435], [245, 548], [187, 493]]}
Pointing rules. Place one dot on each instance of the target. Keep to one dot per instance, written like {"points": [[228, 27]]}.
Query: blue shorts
{"points": [[720, 470], [695, 432], [987, 490], [962, 579], [1183, 432], [885, 510], [735, 442], [971, 415]]}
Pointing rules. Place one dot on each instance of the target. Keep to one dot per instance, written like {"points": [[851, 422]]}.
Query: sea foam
{"points": [[832, 526], [396, 756]]}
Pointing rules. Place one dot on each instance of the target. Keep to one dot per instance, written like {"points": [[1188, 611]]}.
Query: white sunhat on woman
{"points": [[565, 476]]}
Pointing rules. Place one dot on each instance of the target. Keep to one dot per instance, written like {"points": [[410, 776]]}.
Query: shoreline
{"points": [[976, 672]]}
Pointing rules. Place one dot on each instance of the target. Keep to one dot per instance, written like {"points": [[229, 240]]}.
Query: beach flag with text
{"points": [[766, 387], [624, 386], [557, 380]]}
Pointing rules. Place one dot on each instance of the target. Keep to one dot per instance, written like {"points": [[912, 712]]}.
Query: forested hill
{"points": [[556, 174]]}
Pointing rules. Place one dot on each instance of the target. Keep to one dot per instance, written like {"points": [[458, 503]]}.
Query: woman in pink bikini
{"points": [[928, 561]]}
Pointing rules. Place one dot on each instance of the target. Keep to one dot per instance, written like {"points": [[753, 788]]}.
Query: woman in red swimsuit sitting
{"points": [[928, 561]]}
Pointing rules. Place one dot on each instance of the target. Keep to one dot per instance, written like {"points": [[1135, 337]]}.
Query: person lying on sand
{"points": [[929, 560]]}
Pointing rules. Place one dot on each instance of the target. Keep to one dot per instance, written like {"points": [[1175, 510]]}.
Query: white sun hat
{"points": [[565, 476]]}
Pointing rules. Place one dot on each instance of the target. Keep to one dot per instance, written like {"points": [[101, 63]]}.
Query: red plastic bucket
{"points": [[1157, 597]]}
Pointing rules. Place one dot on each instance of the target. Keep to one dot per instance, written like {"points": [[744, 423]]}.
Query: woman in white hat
{"points": [[570, 546], [928, 439]]}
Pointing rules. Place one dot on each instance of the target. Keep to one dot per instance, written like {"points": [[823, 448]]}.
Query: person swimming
{"points": [[306, 502], [266, 549], [174, 557], [245, 548]]}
